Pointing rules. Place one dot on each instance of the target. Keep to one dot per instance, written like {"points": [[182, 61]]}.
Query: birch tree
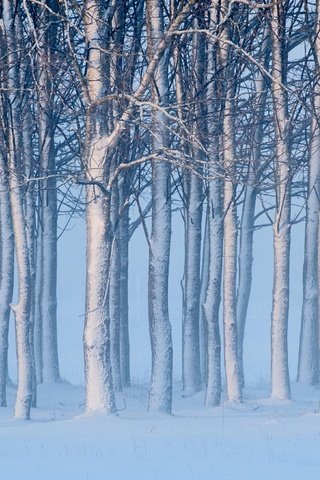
{"points": [[281, 226], [191, 373], [211, 305], [308, 364], [99, 385], [116, 73], [230, 221], [160, 395], [46, 32], [22, 309], [6, 264]]}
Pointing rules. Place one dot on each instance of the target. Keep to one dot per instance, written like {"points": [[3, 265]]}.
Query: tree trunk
{"points": [[30, 212], [230, 226], [214, 226], [22, 309], [98, 372], [211, 306], [203, 333], [308, 363], [38, 349], [245, 268], [114, 291], [160, 394], [7, 275], [48, 205], [124, 277], [191, 375], [281, 228]]}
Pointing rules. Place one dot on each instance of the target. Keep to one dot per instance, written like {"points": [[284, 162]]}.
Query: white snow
{"points": [[261, 439]]}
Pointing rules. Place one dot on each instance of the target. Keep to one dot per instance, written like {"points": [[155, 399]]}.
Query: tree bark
{"points": [[212, 301], [50, 360], [203, 331], [115, 291], [191, 373], [22, 309], [211, 306], [98, 373], [281, 227], [7, 274], [160, 394], [38, 349], [230, 225], [30, 216], [124, 278], [308, 362], [249, 204]]}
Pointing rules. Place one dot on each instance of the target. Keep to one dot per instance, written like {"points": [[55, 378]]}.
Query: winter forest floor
{"points": [[259, 439]]}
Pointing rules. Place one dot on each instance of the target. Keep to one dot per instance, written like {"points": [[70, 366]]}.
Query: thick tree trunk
{"points": [[280, 308], [160, 394], [124, 303], [229, 291], [30, 212], [98, 372], [245, 268], [6, 275], [211, 306], [281, 228], [230, 227], [115, 266], [203, 334], [49, 283], [191, 372], [214, 228], [191, 375], [22, 309], [308, 363], [114, 291], [48, 206], [37, 309]]}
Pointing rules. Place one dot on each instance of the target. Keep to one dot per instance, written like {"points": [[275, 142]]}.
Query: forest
{"points": [[122, 113]]}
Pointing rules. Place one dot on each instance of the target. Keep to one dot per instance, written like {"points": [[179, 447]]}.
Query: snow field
{"points": [[259, 439]]}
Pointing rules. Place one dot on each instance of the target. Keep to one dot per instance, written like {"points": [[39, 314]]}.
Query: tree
{"points": [[98, 375], [47, 37], [160, 396], [193, 191], [308, 364], [281, 226], [211, 305], [230, 219], [7, 264], [22, 310]]}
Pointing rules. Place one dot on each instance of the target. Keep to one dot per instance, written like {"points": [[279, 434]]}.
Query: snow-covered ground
{"points": [[260, 439]]}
